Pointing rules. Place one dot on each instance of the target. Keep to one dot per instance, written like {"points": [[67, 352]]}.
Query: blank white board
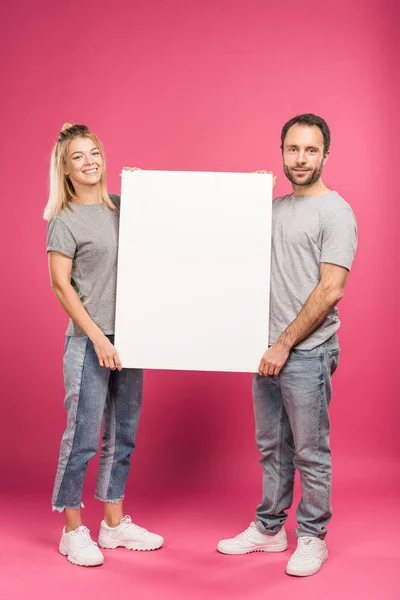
{"points": [[193, 270]]}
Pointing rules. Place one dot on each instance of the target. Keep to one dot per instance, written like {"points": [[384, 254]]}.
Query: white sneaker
{"points": [[79, 548], [251, 540], [309, 557], [128, 535]]}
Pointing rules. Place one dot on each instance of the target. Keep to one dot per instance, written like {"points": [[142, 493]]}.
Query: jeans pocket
{"points": [[333, 356], [303, 354], [67, 339]]}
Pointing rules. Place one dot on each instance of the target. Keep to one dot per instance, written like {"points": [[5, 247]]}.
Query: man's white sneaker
{"points": [[128, 535], [79, 548], [309, 557], [251, 540]]}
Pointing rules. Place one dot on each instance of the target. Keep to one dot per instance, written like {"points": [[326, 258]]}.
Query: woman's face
{"points": [[84, 164]]}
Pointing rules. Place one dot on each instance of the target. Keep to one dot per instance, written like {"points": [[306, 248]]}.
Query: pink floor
{"points": [[363, 542]]}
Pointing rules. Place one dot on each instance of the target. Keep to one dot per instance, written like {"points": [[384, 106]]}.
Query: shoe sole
{"points": [[276, 548], [140, 546], [73, 560], [295, 573]]}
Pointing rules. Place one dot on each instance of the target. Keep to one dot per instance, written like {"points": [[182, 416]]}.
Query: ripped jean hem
{"points": [[110, 500], [62, 508]]}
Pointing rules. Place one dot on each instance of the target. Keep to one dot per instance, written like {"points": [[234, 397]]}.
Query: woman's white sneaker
{"points": [[128, 535], [252, 540], [79, 548], [309, 557]]}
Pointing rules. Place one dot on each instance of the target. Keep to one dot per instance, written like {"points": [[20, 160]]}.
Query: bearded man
{"points": [[314, 239]]}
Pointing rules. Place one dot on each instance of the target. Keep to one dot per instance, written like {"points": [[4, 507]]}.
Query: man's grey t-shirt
{"points": [[306, 232], [88, 233]]}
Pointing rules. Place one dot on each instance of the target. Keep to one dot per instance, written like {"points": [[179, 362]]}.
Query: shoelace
{"points": [[83, 535], [247, 532], [127, 521], [306, 546]]}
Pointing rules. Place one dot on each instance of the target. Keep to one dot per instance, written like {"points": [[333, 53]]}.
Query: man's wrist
{"points": [[285, 342]]}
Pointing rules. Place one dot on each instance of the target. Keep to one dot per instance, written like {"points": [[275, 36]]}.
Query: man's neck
{"points": [[307, 191]]}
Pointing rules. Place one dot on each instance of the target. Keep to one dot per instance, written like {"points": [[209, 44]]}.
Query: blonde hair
{"points": [[62, 191]]}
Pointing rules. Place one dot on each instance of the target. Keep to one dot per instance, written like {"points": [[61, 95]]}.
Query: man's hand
{"points": [[273, 359], [274, 177]]}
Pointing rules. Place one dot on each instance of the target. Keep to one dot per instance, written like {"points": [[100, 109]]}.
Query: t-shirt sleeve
{"points": [[60, 238], [339, 239]]}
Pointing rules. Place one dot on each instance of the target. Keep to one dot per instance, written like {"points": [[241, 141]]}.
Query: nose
{"points": [[301, 157], [89, 160]]}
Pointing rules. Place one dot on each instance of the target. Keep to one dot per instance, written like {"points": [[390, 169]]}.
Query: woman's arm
{"points": [[60, 267]]}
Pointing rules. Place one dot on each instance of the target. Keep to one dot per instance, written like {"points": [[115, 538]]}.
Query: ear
{"points": [[326, 157]]}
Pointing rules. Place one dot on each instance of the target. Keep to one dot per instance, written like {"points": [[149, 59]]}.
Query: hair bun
{"points": [[70, 130], [67, 125]]}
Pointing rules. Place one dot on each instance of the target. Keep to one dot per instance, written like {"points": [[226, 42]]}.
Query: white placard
{"points": [[194, 270]]}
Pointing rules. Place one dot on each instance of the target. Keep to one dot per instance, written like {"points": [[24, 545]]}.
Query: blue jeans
{"points": [[292, 431], [94, 395]]}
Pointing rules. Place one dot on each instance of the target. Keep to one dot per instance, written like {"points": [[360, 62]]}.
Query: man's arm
{"points": [[315, 310]]}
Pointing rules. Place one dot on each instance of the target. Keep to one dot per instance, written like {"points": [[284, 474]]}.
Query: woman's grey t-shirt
{"points": [[305, 233], [88, 233]]}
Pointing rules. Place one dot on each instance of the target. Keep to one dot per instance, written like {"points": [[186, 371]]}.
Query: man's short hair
{"points": [[309, 119]]}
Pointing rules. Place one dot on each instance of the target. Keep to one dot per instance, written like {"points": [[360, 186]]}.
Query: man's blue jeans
{"points": [[96, 395], [292, 431]]}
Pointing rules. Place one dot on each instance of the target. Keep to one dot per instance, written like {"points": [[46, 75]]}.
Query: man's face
{"points": [[303, 154]]}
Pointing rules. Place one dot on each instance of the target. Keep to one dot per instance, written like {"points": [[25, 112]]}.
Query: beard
{"points": [[311, 177]]}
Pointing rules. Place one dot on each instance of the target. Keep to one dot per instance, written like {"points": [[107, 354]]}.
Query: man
{"points": [[314, 238]]}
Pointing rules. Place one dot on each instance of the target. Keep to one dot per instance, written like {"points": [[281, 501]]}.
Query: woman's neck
{"points": [[85, 194]]}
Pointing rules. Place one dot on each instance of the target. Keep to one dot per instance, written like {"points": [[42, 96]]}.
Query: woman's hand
{"points": [[130, 169], [274, 177], [107, 353]]}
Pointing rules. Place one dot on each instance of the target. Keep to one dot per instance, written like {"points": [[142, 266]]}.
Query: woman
{"points": [[82, 246]]}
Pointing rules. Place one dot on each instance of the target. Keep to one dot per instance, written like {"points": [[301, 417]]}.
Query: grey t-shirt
{"points": [[306, 232], [89, 235]]}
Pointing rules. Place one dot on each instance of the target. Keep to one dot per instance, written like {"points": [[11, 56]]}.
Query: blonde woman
{"points": [[82, 246]]}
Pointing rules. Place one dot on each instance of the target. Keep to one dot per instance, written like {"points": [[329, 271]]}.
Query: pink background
{"points": [[201, 86]]}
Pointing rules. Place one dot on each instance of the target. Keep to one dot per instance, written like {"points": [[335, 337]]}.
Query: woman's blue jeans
{"points": [[95, 396]]}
